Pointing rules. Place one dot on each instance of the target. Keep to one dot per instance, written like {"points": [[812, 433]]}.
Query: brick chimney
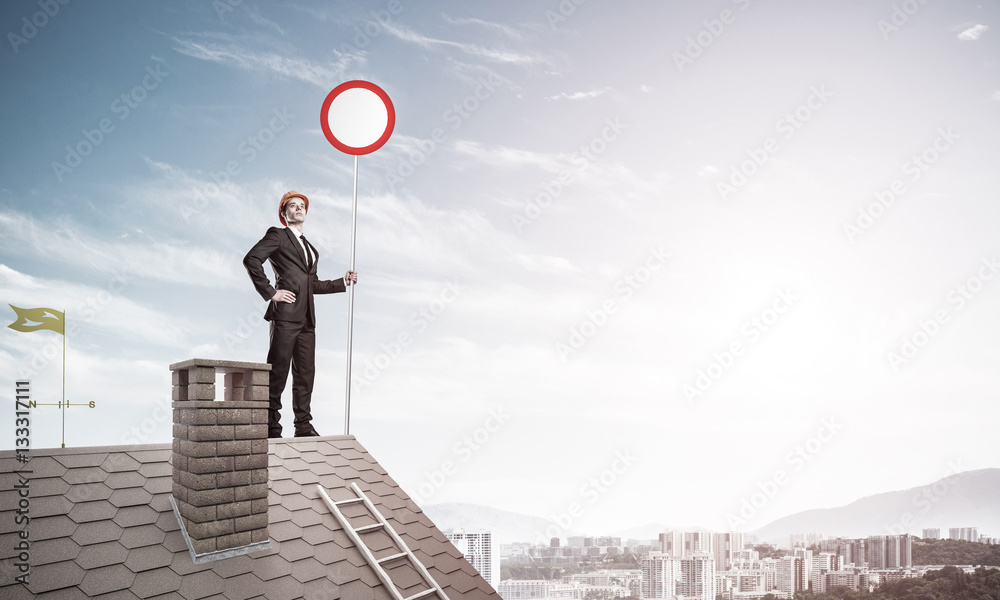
{"points": [[220, 457]]}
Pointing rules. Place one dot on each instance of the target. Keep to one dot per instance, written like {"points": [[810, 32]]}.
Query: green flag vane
{"points": [[38, 319]]}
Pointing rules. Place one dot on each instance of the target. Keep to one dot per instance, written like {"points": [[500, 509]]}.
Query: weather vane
{"points": [[36, 319]]}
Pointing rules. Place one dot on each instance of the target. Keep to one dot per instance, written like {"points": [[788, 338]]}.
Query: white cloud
{"points": [[503, 56], [105, 308], [506, 156], [505, 29], [580, 95], [546, 264], [708, 171], [973, 33], [64, 241], [273, 63]]}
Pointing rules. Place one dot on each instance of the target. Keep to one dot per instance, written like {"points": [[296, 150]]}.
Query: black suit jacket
{"points": [[289, 262]]}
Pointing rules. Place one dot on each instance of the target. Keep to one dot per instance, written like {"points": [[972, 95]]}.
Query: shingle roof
{"points": [[102, 527]]}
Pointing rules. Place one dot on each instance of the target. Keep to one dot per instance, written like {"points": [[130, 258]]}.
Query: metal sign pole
{"points": [[350, 303]]}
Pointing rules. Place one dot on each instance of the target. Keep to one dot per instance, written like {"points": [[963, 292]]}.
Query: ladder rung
{"points": [[368, 527], [421, 594], [393, 557], [349, 501]]}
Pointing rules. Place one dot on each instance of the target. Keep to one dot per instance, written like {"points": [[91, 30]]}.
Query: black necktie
{"points": [[309, 256]]}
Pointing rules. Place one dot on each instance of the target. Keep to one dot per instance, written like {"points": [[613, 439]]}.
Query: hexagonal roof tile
{"points": [[156, 582], [133, 516], [90, 474], [53, 550], [98, 510], [96, 532], [54, 576], [100, 555], [49, 506], [148, 557], [125, 479], [44, 466], [113, 533], [119, 462], [201, 585], [86, 459], [105, 580], [130, 497]]}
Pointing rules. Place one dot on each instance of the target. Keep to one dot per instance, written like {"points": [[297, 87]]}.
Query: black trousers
{"points": [[292, 344]]}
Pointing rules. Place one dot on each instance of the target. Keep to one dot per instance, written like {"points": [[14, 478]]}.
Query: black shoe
{"points": [[307, 431]]}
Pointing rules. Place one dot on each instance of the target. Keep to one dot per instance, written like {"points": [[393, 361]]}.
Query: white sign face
{"points": [[358, 117]]}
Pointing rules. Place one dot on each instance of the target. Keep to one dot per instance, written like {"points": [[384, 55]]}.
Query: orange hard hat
{"points": [[284, 201]]}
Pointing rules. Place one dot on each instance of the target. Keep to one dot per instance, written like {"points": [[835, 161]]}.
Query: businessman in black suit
{"points": [[291, 311]]}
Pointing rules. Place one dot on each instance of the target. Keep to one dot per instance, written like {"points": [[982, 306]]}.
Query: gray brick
{"points": [[235, 448], [236, 509], [179, 377], [234, 416], [233, 479], [196, 514], [250, 492], [255, 461], [196, 481], [211, 529], [204, 546], [256, 393], [201, 375], [197, 449], [250, 522], [195, 417], [235, 540], [211, 497], [205, 433], [218, 464], [258, 535], [250, 432]]}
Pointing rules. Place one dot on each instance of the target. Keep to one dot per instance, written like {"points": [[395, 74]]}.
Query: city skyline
{"points": [[613, 264]]}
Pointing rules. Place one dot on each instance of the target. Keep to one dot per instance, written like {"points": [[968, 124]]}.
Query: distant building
{"points": [[969, 534], [850, 551], [823, 563], [480, 550], [855, 579], [697, 577], [931, 534], [791, 575], [725, 546], [890, 551], [807, 564], [697, 541], [672, 543], [805, 539], [747, 554], [530, 589], [659, 576]]}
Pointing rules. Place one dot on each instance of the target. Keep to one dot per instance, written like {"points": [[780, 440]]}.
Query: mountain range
{"points": [[966, 499]]}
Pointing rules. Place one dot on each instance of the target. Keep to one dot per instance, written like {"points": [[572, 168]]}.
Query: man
{"points": [[291, 311]]}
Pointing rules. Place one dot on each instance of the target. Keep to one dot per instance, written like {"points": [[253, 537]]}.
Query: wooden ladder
{"points": [[376, 563]]}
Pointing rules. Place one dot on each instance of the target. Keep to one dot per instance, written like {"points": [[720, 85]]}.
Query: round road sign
{"points": [[357, 117]]}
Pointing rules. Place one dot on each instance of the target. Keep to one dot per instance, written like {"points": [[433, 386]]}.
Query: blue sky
{"points": [[697, 235]]}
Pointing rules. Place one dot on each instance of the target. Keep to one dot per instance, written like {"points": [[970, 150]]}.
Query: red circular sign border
{"points": [[349, 85]]}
